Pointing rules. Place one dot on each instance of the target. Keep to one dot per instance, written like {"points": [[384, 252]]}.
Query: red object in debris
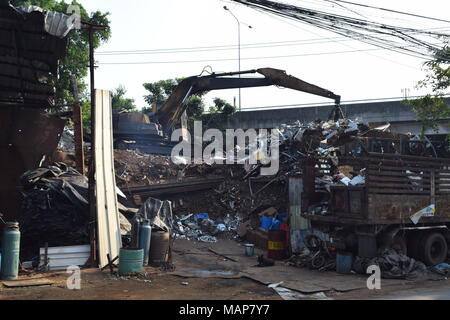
{"points": [[276, 245], [285, 227]]}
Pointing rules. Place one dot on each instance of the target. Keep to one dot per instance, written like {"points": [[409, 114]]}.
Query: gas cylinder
{"points": [[145, 234], [10, 251]]}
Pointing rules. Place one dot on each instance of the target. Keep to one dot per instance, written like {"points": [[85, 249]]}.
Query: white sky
{"points": [[168, 24]]}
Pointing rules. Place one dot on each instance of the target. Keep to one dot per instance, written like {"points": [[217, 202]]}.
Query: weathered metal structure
{"points": [[31, 44], [383, 211]]}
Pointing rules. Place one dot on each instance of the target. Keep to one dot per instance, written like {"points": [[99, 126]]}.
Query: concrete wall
{"points": [[388, 111]]}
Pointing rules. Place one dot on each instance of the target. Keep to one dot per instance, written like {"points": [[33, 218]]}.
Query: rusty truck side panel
{"points": [[396, 187]]}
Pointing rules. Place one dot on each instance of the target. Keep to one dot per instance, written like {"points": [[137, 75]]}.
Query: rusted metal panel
{"points": [[27, 137], [29, 55]]}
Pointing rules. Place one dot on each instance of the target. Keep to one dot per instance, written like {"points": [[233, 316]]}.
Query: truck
{"points": [[403, 204]]}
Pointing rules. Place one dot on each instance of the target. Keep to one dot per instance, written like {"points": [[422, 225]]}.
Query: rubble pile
{"points": [[232, 197], [135, 169]]}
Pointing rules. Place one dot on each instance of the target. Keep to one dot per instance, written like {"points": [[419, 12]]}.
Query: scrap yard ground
{"points": [[101, 199], [199, 270]]}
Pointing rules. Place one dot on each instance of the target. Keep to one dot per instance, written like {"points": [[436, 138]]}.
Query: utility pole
{"points": [[77, 116], [239, 49], [92, 183]]}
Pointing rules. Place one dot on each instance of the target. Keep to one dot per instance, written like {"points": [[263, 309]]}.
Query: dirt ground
{"points": [[201, 274], [97, 285]]}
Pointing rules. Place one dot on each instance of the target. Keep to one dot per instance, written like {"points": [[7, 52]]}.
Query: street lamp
{"points": [[239, 47]]}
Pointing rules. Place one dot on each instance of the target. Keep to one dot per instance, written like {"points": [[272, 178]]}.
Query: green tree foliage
{"points": [[120, 102], [222, 107], [432, 107], [161, 90], [76, 61]]}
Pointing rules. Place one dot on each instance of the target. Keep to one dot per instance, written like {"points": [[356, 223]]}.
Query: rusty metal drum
{"points": [[276, 245]]}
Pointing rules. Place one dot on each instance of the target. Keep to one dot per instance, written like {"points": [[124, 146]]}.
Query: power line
{"points": [[275, 17], [233, 47], [363, 30], [224, 48], [343, 103], [250, 58], [393, 11]]}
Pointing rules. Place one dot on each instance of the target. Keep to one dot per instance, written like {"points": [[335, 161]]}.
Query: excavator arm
{"points": [[172, 110]]}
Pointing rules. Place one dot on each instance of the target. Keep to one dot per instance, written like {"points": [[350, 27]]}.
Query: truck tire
{"points": [[399, 244], [433, 248], [414, 240]]}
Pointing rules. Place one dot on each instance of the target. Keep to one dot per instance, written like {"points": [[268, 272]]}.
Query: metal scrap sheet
{"points": [[108, 223]]}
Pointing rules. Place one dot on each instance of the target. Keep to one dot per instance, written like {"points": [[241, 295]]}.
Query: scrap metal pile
{"points": [[56, 209], [243, 189]]}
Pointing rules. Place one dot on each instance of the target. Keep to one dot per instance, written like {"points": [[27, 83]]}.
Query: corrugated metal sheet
{"points": [[297, 222], [56, 23], [59, 258], [108, 223]]}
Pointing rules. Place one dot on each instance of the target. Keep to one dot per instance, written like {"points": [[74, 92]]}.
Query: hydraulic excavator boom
{"points": [[172, 110]]}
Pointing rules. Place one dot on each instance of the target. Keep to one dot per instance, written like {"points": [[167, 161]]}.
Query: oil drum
{"points": [[276, 245], [159, 246]]}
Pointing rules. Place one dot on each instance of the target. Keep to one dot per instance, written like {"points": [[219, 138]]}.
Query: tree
{"points": [[433, 107], [119, 102], [222, 107], [160, 91], [76, 61]]}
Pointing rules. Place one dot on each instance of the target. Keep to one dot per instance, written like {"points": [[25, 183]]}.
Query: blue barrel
{"points": [[145, 235], [10, 251], [131, 260], [344, 261]]}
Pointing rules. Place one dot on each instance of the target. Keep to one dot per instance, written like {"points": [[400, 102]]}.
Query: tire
{"points": [[399, 244], [318, 262], [414, 239], [433, 249]]}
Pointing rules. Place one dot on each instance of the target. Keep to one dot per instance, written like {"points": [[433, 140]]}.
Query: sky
{"points": [[311, 54]]}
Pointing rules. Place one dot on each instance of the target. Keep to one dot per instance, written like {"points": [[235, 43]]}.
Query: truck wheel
{"points": [[399, 244], [433, 249], [414, 240]]}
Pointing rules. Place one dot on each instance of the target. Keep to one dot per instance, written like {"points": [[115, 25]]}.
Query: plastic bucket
{"points": [[131, 261], [344, 261], [249, 249]]}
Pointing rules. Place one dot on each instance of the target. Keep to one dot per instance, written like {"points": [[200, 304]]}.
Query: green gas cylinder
{"points": [[10, 251]]}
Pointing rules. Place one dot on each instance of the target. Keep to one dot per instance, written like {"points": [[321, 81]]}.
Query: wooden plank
{"points": [[26, 283], [405, 163], [390, 191], [373, 174], [375, 178], [408, 157], [400, 168], [399, 186], [109, 239]]}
